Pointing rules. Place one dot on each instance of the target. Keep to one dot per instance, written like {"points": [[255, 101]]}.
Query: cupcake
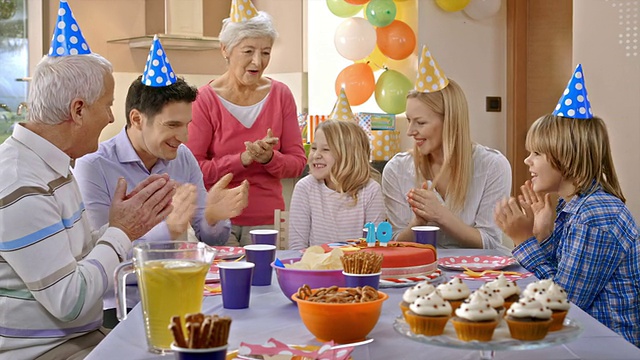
{"points": [[528, 319], [536, 286], [475, 319], [411, 294], [555, 298], [493, 297], [508, 289], [429, 314], [455, 291]]}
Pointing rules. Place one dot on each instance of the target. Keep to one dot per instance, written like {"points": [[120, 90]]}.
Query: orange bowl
{"points": [[343, 323]]}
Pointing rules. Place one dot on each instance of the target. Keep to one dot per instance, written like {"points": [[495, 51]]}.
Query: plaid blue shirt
{"points": [[594, 253]]}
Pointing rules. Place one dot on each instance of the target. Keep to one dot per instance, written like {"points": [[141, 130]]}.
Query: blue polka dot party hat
{"points": [[574, 102], [158, 71], [242, 10], [342, 108], [67, 37], [430, 77]]}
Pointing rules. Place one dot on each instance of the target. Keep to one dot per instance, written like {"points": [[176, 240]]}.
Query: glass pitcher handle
{"points": [[120, 282]]}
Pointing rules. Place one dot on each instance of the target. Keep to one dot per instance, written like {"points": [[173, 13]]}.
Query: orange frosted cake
{"points": [[400, 259]]}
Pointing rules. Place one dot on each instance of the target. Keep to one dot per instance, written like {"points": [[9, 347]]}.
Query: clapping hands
{"points": [[224, 203], [533, 214], [260, 151]]}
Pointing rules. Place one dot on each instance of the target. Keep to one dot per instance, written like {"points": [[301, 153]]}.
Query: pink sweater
{"points": [[217, 138]]}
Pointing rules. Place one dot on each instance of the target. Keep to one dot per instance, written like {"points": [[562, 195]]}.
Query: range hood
{"points": [[178, 24]]}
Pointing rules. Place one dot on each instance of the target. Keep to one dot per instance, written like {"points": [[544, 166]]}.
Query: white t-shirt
{"points": [[319, 215]]}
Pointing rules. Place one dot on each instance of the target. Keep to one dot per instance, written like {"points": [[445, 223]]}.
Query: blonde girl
{"points": [[340, 194]]}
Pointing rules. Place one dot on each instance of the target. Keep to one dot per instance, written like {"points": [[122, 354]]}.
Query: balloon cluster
{"points": [[374, 41]]}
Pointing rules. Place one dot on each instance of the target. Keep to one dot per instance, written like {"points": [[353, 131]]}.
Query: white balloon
{"points": [[482, 9], [355, 38]]}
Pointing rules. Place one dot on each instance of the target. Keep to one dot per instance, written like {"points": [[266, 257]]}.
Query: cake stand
{"points": [[501, 338]]}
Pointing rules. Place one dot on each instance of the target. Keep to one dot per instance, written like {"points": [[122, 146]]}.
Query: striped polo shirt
{"points": [[53, 269]]}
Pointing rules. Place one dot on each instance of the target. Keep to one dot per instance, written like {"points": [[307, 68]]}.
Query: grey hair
{"points": [[58, 80], [258, 26]]}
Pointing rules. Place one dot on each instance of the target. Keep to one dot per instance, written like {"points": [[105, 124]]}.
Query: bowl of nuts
{"points": [[344, 315]]}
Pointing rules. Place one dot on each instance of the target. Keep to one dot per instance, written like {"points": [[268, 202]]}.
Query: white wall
{"points": [[295, 81], [606, 42], [471, 52]]}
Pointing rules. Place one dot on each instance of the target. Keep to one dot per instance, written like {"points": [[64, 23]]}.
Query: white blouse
{"points": [[491, 183]]}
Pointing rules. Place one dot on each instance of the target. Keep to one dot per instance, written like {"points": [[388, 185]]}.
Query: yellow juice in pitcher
{"points": [[167, 288]]}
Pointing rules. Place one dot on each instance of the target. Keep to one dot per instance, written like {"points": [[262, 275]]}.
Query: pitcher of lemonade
{"points": [[171, 277]]}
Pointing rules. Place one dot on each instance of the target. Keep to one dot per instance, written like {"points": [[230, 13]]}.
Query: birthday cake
{"points": [[400, 259]]}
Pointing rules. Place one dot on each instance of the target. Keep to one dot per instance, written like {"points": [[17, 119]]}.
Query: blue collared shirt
{"points": [[97, 175], [594, 253]]}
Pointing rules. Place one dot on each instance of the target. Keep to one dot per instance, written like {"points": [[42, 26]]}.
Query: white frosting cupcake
{"points": [[555, 298], [431, 305], [421, 289], [476, 308], [493, 296], [536, 286], [504, 286], [455, 289], [529, 308]]}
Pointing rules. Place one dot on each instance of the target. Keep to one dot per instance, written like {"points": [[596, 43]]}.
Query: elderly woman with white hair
{"points": [[246, 124]]}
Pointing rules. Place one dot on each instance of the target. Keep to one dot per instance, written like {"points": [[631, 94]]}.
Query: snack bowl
{"points": [[217, 353], [290, 280], [343, 323]]}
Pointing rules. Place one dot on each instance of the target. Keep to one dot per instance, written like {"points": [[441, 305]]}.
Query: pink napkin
{"points": [[275, 347]]}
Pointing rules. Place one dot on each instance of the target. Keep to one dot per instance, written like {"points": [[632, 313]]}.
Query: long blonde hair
{"points": [[451, 104], [349, 145], [579, 149]]}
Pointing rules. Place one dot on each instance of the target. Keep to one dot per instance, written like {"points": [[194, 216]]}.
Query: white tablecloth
{"points": [[270, 314]]}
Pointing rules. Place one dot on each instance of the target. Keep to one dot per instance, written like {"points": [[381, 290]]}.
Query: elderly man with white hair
{"points": [[54, 270]]}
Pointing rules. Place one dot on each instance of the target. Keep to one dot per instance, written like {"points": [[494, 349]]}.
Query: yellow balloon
{"points": [[452, 5], [377, 60], [407, 12]]}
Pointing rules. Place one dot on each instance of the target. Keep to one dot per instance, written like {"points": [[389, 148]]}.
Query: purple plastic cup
{"points": [[264, 236], [426, 234], [217, 353], [261, 255], [235, 280], [361, 280]]}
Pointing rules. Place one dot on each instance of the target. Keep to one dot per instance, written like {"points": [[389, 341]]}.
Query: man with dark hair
{"points": [[152, 143]]}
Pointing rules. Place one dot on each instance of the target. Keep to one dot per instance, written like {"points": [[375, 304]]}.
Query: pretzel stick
{"points": [[176, 328]]}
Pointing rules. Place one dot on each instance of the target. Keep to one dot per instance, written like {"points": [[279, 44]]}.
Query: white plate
{"points": [[434, 277], [476, 262], [501, 340]]}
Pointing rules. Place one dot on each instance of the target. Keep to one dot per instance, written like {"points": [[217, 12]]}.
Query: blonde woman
{"points": [[340, 194], [446, 180]]}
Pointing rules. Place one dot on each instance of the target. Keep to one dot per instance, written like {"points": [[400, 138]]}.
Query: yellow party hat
{"points": [[430, 77], [242, 10], [342, 109]]}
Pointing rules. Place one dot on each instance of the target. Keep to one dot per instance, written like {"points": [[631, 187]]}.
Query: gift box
{"points": [[385, 144]]}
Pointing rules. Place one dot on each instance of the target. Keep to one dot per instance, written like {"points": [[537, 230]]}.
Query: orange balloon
{"points": [[358, 83], [356, 2], [396, 40]]}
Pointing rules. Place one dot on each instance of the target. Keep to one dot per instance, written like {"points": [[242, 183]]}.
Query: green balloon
{"points": [[391, 91], [380, 13], [342, 8]]}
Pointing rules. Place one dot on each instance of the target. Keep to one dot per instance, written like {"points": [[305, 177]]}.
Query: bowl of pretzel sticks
{"points": [[344, 315], [205, 337], [362, 269]]}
